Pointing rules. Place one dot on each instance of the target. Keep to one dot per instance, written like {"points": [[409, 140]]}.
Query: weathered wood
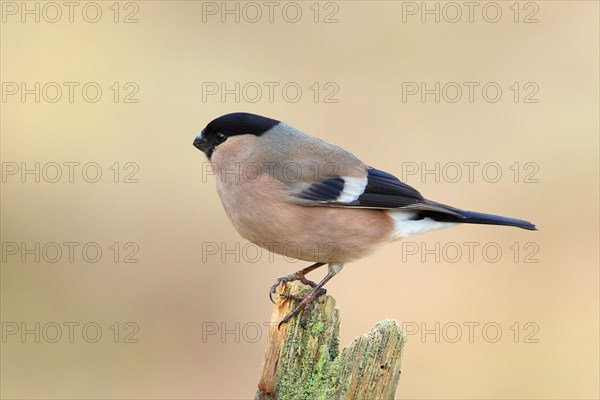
{"points": [[303, 364]]}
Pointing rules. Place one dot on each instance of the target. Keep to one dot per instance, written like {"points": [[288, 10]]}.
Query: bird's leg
{"points": [[309, 297], [296, 276]]}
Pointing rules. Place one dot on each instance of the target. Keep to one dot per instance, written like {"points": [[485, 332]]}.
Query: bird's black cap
{"points": [[239, 123]]}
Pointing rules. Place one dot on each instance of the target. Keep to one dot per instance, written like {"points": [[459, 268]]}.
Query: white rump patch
{"points": [[406, 227], [353, 188]]}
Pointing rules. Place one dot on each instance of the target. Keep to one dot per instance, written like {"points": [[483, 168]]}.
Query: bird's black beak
{"points": [[201, 143]]}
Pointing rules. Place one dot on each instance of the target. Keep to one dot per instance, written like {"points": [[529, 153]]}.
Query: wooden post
{"points": [[303, 364]]}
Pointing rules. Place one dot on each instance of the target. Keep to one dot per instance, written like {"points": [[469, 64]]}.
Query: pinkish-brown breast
{"points": [[260, 209]]}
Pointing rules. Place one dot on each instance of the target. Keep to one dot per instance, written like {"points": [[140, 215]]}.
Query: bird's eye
{"points": [[220, 137]]}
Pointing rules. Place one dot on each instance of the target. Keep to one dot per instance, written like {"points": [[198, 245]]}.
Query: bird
{"points": [[296, 195]]}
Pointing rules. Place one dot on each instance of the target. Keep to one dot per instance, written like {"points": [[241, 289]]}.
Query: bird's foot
{"points": [[305, 301], [296, 276]]}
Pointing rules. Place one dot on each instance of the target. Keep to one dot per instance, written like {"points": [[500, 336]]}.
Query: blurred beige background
{"points": [[195, 316]]}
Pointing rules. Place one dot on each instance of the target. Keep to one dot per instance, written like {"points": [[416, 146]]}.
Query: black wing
{"points": [[378, 190]]}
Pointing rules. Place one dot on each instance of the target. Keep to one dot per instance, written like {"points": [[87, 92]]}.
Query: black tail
{"points": [[471, 217]]}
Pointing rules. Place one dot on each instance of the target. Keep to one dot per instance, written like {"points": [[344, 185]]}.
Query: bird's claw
{"points": [[289, 278]]}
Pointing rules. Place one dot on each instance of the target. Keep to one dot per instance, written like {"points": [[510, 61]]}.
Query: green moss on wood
{"points": [[311, 366]]}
